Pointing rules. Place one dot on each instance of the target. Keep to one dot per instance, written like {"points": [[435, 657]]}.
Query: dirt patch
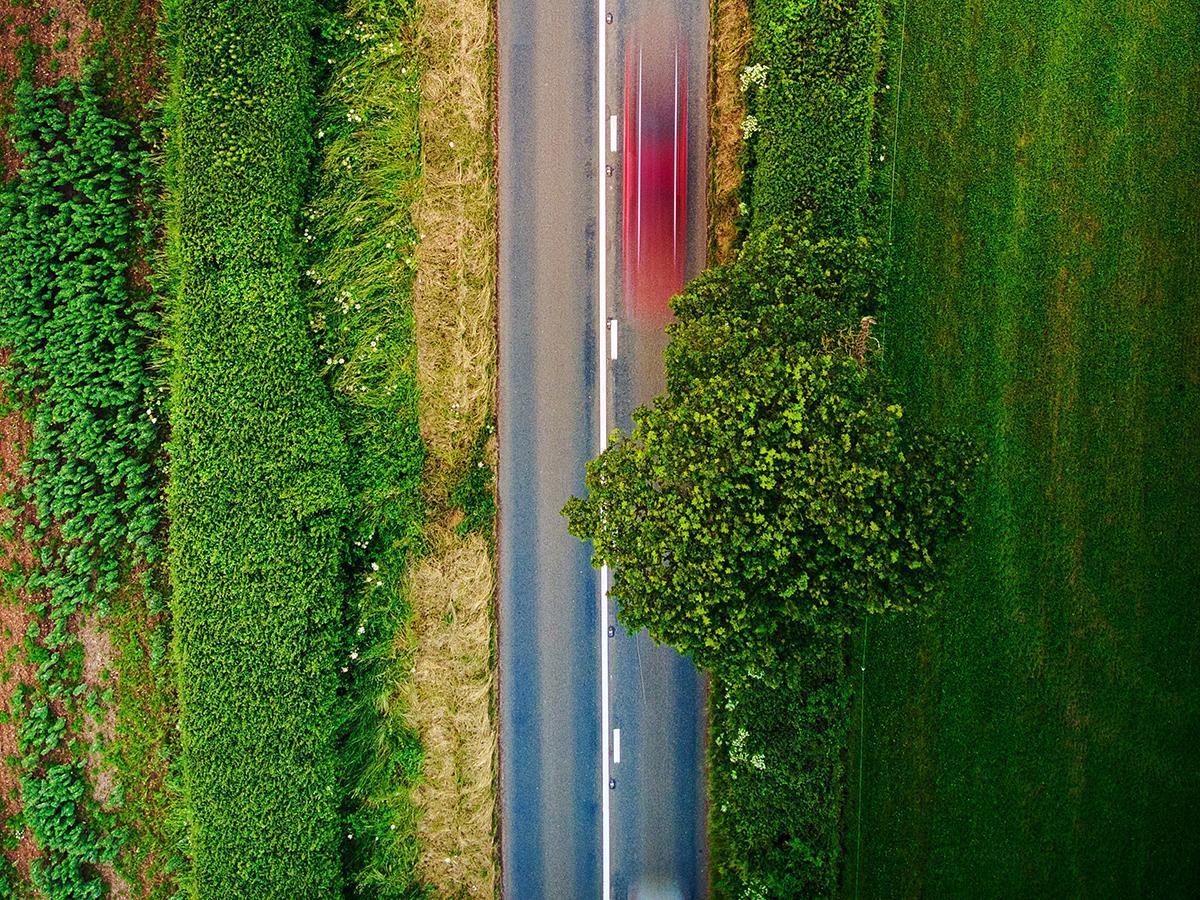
{"points": [[97, 655], [451, 588], [15, 620], [729, 40], [455, 287], [64, 36]]}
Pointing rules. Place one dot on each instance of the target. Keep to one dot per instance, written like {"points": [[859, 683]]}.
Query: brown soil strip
{"points": [[450, 692], [729, 40], [15, 618], [455, 288]]}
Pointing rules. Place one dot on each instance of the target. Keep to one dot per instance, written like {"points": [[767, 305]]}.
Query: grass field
{"points": [[1038, 737]]}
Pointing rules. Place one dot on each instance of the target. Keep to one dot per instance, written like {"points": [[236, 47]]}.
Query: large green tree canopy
{"points": [[773, 492]]}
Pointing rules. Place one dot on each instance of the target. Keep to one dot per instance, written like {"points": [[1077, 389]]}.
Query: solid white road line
{"points": [[602, 381]]}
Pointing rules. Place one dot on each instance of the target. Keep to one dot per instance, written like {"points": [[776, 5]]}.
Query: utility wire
{"points": [[862, 730]]}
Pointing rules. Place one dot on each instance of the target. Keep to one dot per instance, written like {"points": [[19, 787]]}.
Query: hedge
{"points": [[776, 753], [776, 781], [814, 110], [256, 501]]}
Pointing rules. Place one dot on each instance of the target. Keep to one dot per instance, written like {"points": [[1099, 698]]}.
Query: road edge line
{"points": [[602, 370]]}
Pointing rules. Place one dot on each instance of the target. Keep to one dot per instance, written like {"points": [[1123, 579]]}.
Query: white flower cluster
{"points": [[738, 754], [749, 127], [753, 75]]}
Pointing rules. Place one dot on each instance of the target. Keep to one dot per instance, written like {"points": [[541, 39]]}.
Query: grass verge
{"points": [[729, 41], [451, 588], [1037, 739], [362, 244]]}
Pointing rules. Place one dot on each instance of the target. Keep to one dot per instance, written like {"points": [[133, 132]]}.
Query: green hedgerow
{"points": [[815, 110], [257, 497]]}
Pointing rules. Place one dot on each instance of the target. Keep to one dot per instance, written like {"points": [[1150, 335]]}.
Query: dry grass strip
{"points": [[451, 689], [451, 586], [729, 40], [455, 289]]}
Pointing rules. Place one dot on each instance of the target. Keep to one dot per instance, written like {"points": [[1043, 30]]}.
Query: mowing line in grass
{"points": [[1036, 739]]}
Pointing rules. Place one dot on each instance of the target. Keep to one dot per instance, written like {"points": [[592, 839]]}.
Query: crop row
{"points": [[80, 341]]}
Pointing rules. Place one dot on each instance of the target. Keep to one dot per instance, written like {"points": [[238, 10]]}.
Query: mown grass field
{"points": [[1038, 737]]}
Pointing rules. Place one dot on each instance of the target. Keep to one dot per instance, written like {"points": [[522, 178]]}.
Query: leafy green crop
{"points": [[257, 498], [80, 341]]}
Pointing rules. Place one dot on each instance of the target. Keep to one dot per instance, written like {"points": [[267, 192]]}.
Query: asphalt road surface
{"points": [[551, 624]]}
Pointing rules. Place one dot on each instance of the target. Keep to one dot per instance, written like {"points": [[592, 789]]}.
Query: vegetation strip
{"points": [[80, 370], [361, 249], [451, 586], [257, 498]]}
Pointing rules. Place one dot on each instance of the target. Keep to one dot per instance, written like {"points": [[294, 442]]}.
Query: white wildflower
{"points": [[753, 75]]}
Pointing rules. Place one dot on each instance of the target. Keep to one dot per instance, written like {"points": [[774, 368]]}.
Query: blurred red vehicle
{"points": [[654, 174]]}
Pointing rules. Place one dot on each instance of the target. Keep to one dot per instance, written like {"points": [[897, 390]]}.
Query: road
{"points": [[551, 622]]}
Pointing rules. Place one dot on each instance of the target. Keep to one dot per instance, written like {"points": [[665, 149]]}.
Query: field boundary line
{"points": [[896, 118]]}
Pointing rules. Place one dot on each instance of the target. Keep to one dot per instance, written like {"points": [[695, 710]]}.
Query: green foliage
{"points": [[79, 335], [776, 764], [473, 493], [773, 492], [51, 803], [79, 368], [360, 244], [789, 287], [144, 751], [257, 497], [815, 110]]}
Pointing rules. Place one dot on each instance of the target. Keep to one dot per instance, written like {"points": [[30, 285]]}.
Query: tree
{"points": [[773, 493]]}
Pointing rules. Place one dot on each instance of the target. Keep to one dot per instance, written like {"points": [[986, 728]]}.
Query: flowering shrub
{"points": [[776, 764], [753, 76], [815, 112]]}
